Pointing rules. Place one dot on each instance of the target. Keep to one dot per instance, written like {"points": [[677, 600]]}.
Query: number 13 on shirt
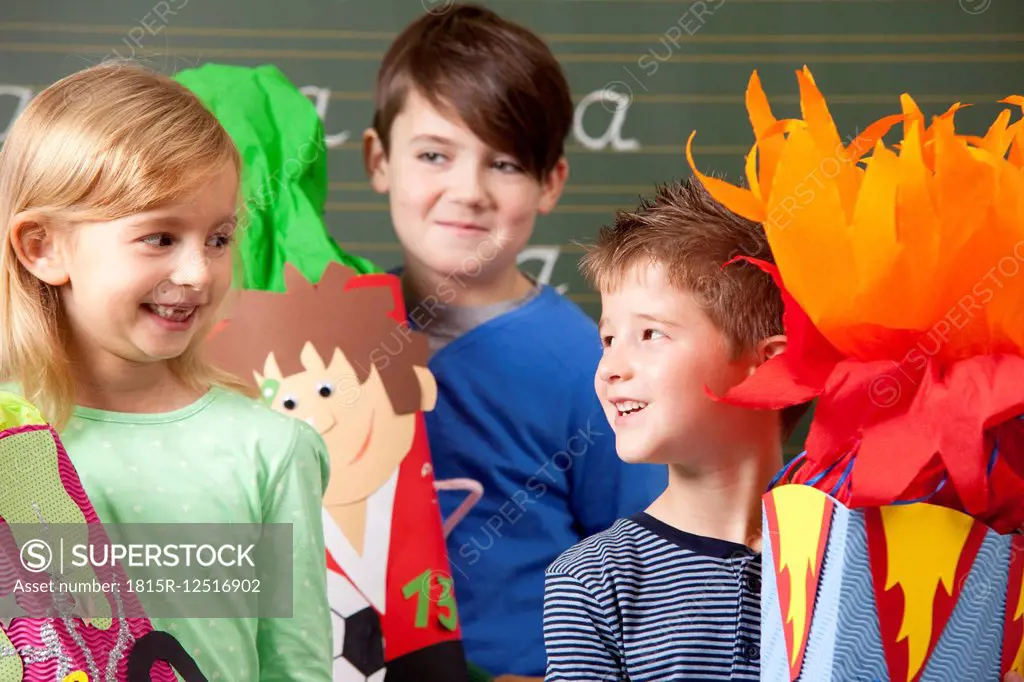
{"points": [[422, 587]]}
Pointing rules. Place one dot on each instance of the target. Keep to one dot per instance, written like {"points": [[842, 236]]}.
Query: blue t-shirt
{"points": [[517, 412]]}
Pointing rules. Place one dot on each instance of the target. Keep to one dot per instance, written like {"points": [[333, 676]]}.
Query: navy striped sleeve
{"points": [[646, 602], [578, 634]]}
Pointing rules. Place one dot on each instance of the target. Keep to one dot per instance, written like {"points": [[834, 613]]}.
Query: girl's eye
{"points": [[325, 390], [606, 341], [221, 241], [289, 403], [158, 240], [649, 334]]}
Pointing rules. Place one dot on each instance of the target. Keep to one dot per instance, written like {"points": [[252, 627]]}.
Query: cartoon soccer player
{"points": [[339, 355]]}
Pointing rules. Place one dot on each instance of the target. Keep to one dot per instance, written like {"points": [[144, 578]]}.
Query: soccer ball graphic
{"points": [[358, 642], [358, 647]]}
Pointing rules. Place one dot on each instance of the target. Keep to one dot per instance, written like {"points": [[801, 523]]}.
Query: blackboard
{"points": [[644, 74]]}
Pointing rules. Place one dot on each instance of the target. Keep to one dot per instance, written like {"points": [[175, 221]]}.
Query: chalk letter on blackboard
{"points": [[322, 98], [614, 132], [24, 95], [548, 255]]}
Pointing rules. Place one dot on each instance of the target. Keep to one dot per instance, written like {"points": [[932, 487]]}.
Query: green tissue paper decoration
{"points": [[284, 181]]}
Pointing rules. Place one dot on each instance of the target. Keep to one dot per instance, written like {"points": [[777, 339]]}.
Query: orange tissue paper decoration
{"points": [[901, 270]]}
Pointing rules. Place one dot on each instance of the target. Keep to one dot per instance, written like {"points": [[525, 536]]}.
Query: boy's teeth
{"points": [[629, 406], [171, 312]]}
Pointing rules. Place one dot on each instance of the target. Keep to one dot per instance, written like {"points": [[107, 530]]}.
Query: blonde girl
{"points": [[119, 195]]}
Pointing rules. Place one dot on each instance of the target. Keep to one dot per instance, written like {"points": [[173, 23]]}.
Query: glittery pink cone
{"points": [[39, 485]]}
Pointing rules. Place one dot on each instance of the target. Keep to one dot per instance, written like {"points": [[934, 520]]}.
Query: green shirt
{"points": [[223, 459]]}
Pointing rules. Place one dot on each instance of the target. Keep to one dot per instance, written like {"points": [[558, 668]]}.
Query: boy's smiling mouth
{"points": [[626, 406], [462, 226]]}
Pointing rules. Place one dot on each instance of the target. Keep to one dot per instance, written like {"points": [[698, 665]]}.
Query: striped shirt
{"points": [[646, 602]]}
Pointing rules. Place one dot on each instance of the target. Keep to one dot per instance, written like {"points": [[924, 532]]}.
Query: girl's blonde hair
{"points": [[107, 142]]}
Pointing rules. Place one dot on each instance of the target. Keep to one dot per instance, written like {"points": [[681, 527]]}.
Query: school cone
{"points": [[302, 291], [891, 550], [40, 490]]}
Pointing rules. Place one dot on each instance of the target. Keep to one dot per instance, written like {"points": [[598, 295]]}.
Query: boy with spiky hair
{"points": [[472, 112], [673, 592]]}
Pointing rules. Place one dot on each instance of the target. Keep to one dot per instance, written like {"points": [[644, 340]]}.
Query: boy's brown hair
{"points": [[497, 76], [693, 236]]}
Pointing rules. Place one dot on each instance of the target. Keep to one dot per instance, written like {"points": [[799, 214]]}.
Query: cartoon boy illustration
{"points": [[339, 355]]}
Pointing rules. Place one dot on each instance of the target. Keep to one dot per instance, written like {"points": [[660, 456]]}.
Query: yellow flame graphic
{"points": [[1018, 661], [800, 510], [918, 563]]}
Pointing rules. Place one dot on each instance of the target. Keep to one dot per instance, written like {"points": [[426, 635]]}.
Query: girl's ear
{"points": [[37, 246]]}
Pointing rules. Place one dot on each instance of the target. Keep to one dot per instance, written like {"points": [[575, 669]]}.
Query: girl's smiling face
{"points": [[141, 287]]}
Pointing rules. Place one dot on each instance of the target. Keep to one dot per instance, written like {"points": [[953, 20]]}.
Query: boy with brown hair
{"points": [[468, 143], [673, 592]]}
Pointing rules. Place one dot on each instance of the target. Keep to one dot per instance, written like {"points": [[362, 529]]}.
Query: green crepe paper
{"points": [[284, 182]]}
